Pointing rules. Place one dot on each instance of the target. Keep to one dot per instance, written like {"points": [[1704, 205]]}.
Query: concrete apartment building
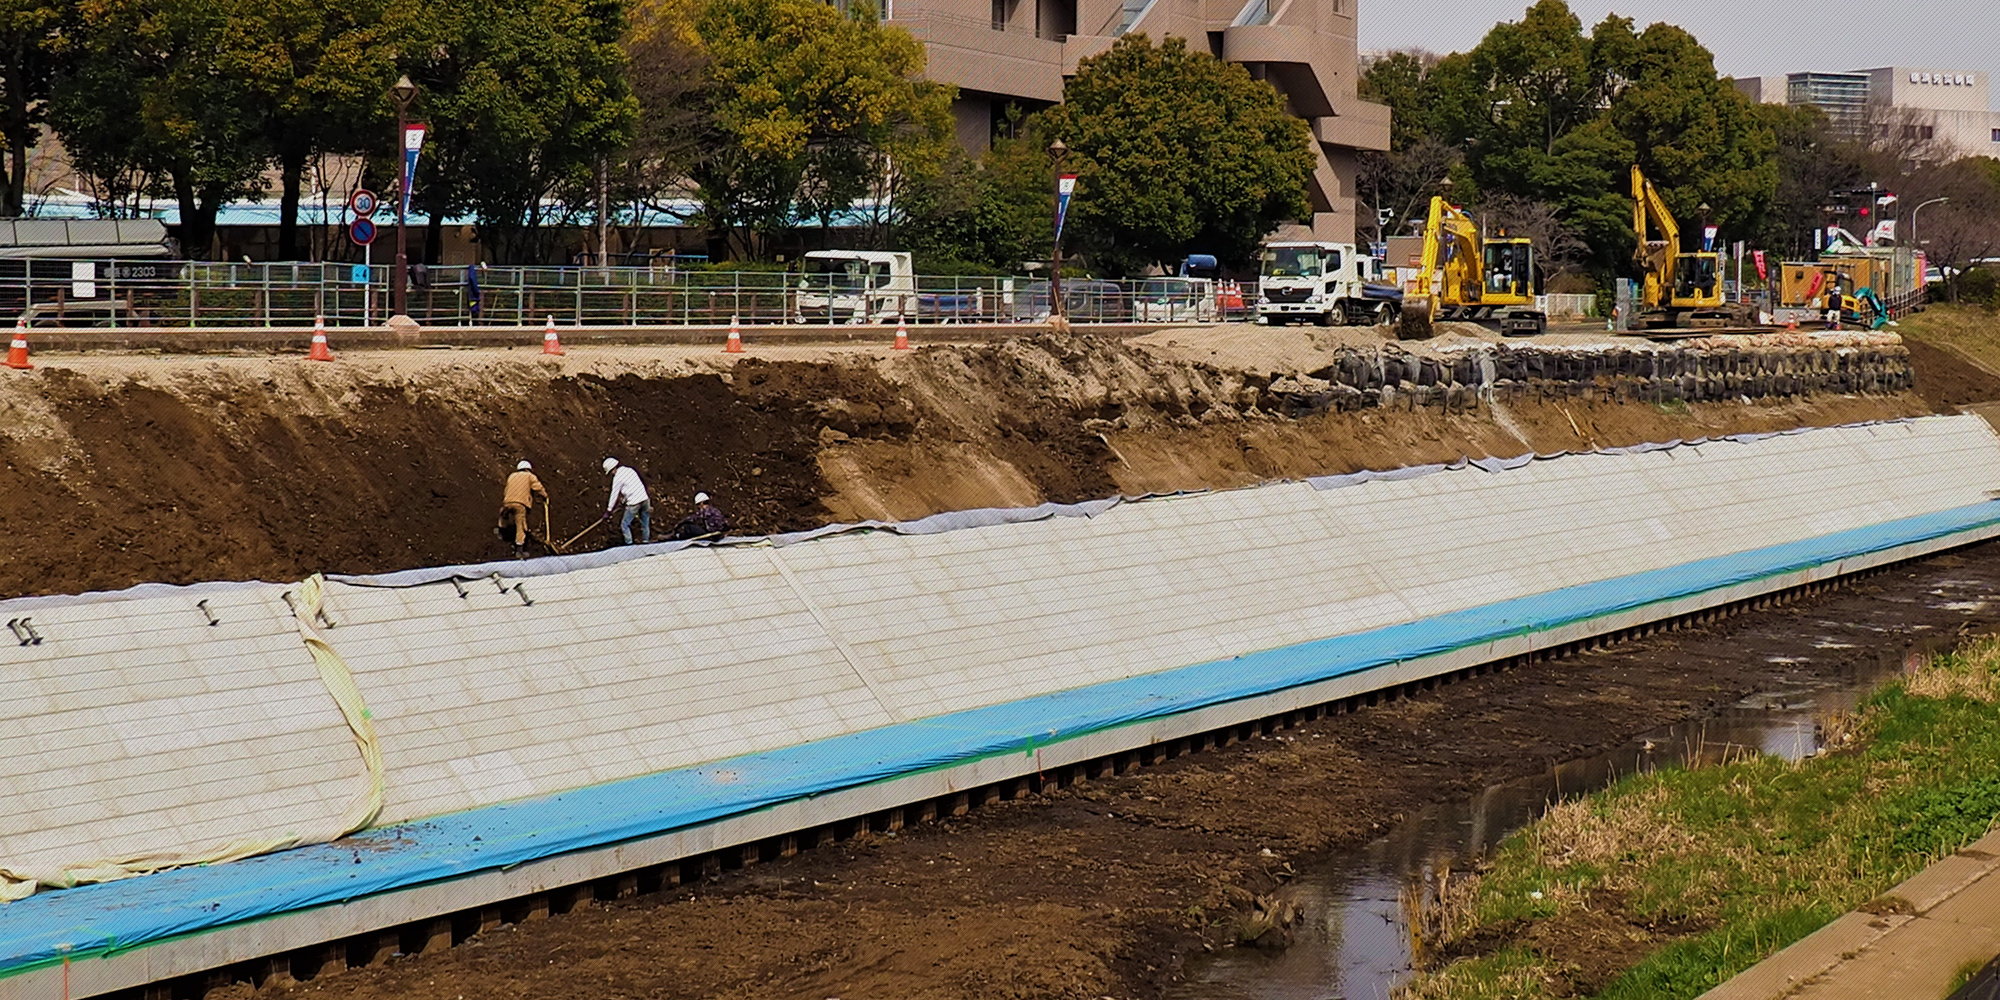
{"points": [[1001, 52], [1950, 108]]}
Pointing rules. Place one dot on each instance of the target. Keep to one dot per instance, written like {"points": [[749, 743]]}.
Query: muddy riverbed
{"points": [[1134, 886]]}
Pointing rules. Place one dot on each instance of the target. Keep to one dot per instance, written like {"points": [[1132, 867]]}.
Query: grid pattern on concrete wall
{"points": [[136, 728], [526, 687]]}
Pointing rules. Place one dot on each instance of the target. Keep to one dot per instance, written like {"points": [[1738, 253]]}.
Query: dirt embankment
{"points": [[180, 470]]}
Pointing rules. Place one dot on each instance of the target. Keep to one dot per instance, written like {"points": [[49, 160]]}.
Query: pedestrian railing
{"points": [[220, 294]]}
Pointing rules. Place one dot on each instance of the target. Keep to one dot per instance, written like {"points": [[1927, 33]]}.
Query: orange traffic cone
{"points": [[735, 345], [319, 350], [1792, 322], [902, 335], [550, 345], [17, 352]]}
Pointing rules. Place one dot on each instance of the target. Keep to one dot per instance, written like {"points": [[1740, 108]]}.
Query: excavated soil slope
{"points": [[179, 470]]}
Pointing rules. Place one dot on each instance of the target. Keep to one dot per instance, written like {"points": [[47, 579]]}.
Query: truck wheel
{"points": [[1326, 318]]}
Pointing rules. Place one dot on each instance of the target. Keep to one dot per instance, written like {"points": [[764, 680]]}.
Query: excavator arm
{"points": [[1655, 258]]}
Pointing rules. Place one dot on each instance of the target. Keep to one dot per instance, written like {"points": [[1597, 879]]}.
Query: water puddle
{"points": [[1354, 942]]}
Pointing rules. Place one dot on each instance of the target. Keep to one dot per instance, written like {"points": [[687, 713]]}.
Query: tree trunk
{"points": [[197, 229], [19, 135], [292, 167], [433, 238]]}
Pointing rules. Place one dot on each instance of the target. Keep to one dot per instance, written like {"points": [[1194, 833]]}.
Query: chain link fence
{"points": [[216, 294]]}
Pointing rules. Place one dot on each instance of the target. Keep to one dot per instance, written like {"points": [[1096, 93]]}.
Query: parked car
{"points": [[1085, 300]]}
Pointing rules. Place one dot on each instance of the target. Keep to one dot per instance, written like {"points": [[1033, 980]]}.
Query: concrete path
{"points": [[1911, 942]]}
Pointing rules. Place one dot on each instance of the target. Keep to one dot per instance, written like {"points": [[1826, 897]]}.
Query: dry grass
{"points": [[1974, 675]]}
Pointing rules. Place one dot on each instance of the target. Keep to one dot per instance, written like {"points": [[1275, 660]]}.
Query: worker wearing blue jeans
{"points": [[629, 492]]}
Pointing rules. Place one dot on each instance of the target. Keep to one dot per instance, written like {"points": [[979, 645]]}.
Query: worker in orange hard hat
{"points": [[522, 489]]}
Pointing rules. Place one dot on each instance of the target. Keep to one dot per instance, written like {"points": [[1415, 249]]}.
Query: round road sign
{"points": [[361, 231], [363, 202]]}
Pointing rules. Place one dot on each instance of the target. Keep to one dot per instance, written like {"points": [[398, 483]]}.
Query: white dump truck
{"points": [[871, 286], [1327, 283]]}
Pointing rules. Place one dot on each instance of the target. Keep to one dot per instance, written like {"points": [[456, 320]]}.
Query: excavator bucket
{"points": [[1415, 321]]}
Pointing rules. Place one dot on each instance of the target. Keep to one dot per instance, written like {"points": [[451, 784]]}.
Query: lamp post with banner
{"points": [[1065, 186], [409, 142]]}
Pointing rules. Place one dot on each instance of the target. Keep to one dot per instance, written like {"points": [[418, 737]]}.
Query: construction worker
{"points": [[706, 521], [522, 489], [628, 492]]}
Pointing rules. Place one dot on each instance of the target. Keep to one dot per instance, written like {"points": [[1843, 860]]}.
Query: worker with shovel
{"points": [[522, 489], [628, 493]]}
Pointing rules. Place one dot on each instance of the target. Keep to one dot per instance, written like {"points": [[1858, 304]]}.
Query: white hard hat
{"points": [[610, 463], [701, 498], [524, 466]]}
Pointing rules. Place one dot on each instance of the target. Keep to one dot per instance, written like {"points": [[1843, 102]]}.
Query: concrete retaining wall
{"points": [[524, 686]]}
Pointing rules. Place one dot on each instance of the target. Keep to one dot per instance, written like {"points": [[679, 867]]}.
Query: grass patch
{"points": [[1665, 885]]}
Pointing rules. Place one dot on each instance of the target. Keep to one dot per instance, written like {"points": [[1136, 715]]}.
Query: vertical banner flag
{"points": [[1762, 273], [1065, 186], [1708, 237], [413, 144]]}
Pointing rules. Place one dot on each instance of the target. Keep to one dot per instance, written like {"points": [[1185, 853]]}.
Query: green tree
{"points": [[1177, 152], [142, 98], [1546, 113], [808, 109], [1698, 139], [524, 99], [314, 72], [994, 212], [31, 33]]}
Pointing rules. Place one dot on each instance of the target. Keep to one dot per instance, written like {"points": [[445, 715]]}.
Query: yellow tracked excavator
{"points": [[1469, 277], [1681, 289]]}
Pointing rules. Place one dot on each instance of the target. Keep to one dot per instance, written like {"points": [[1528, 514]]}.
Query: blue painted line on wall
{"points": [[111, 917]]}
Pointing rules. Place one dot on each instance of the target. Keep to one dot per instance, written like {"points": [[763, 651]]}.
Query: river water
{"points": [[1354, 942]]}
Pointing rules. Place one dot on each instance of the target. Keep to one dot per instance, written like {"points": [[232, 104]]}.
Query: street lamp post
{"points": [[1056, 153], [403, 92], [1913, 217]]}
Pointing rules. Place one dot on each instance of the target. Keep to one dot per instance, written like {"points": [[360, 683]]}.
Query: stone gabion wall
{"points": [[1392, 377]]}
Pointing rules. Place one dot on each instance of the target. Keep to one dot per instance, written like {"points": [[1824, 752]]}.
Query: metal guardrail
{"points": [[203, 294]]}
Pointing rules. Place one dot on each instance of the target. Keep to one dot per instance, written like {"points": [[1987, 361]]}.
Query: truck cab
{"points": [[854, 286], [1327, 283], [1189, 296]]}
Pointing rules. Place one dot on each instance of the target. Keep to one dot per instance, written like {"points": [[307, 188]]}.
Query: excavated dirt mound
{"points": [[181, 470], [1947, 380]]}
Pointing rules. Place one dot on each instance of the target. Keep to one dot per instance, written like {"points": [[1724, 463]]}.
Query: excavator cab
{"points": [[1697, 280], [1510, 271]]}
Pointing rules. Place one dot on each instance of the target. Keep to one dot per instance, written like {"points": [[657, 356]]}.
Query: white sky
{"points": [[1748, 37]]}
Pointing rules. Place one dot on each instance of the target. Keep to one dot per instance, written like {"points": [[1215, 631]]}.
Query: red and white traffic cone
{"points": [[735, 345], [902, 335], [17, 352], [551, 345], [319, 352]]}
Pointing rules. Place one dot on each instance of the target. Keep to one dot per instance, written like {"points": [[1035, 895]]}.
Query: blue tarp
{"points": [[114, 916]]}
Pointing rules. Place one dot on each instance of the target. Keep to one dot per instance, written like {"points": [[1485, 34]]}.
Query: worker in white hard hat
{"points": [[706, 521], [628, 493], [522, 489]]}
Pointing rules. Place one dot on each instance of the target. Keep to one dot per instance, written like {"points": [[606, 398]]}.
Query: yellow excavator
{"points": [[1681, 289], [1468, 277]]}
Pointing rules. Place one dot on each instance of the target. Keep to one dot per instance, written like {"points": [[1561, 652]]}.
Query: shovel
{"points": [[580, 534]]}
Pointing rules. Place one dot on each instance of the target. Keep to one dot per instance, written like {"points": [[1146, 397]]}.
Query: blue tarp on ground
{"points": [[115, 916]]}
